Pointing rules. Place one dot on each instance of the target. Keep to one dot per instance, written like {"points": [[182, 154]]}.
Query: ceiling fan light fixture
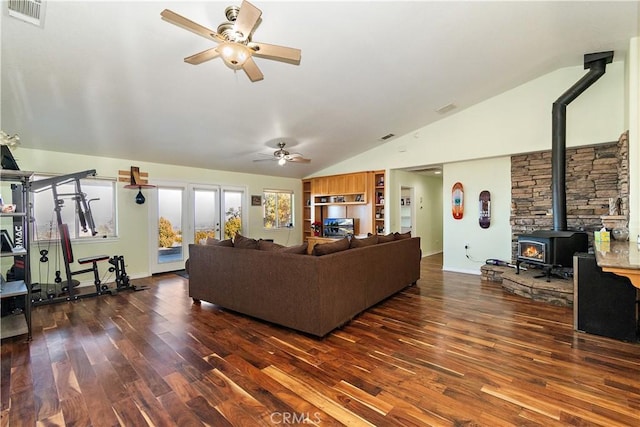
{"points": [[234, 55], [10, 141], [282, 161]]}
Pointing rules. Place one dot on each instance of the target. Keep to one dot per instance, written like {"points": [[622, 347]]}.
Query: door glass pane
{"points": [[232, 213], [205, 217], [170, 225]]}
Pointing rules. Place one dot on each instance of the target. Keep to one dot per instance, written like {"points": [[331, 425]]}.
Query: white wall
{"points": [[493, 175], [133, 218]]}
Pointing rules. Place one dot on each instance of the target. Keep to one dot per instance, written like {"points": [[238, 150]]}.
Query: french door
{"points": [[182, 214], [167, 227], [205, 203]]}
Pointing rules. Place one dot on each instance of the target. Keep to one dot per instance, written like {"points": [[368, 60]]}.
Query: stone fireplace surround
{"points": [[595, 174]]}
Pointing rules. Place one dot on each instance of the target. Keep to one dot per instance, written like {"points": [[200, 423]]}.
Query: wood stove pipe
{"points": [[596, 64]]}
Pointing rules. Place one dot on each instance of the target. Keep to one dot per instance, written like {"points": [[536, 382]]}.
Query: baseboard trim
{"points": [[461, 270]]}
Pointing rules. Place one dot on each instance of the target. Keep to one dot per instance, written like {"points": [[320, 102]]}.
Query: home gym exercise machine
{"points": [[64, 289]]}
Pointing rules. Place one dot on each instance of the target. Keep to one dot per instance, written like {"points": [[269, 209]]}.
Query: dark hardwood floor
{"points": [[451, 351]]}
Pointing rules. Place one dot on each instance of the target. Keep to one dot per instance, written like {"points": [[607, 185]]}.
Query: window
{"points": [[100, 194], [278, 208], [233, 200]]}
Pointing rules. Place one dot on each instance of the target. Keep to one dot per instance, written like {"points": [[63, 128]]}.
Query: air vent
{"points": [[387, 136], [31, 11], [445, 109]]}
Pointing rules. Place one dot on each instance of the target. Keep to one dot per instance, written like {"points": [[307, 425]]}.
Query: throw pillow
{"points": [[329, 248], [216, 242], [244, 242], [267, 245], [361, 243], [387, 238], [298, 249], [400, 236]]}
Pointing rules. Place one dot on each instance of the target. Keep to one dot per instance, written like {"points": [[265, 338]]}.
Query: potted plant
{"points": [[316, 227]]}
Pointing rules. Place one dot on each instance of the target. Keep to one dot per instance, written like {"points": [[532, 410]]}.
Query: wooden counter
{"points": [[621, 258]]}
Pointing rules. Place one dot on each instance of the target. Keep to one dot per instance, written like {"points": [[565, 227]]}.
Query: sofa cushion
{"points": [[361, 243], [329, 248], [216, 242], [268, 245], [244, 242], [387, 238], [298, 249], [400, 236]]}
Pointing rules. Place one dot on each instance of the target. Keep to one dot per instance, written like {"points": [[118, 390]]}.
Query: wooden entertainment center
{"points": [[357, 195]]}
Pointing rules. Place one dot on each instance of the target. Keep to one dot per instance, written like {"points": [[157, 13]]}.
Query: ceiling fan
{"points": [[234, 36], [282, 156]]}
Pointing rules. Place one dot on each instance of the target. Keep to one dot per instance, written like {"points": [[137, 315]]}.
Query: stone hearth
{"points": [[556, 292]]}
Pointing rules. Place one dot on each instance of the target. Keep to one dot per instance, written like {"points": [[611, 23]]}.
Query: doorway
{"points": [[206, 213], [406, 209], [167, 242]]}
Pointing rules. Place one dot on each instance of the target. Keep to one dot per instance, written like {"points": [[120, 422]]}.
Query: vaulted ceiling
{"points": [[108, 78]]}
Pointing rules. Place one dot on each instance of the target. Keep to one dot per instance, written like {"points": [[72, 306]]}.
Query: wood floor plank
{"points": [[66, 382], [128, 413], [110, 382], [268, 391], [331, 407], [148, 405], [240, 396], [54, 420], [75, 411], [23, 409], [100, 409], [179, 411], [452, 350], [207, 413]]}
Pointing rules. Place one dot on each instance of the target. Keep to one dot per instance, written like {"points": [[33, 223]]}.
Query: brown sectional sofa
{"points": [[309, 293]]}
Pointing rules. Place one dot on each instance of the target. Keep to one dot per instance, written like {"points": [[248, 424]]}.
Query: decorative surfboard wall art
{"points": [[457, 201], [485, 209]]}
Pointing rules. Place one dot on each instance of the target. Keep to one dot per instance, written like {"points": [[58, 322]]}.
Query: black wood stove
{"points": [[550, 249]]}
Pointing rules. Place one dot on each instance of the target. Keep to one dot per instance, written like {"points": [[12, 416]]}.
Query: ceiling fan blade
{"points": [[299, 160], [252, 70], [289, 55], [205, 55], [247, 19], [189, 25]]}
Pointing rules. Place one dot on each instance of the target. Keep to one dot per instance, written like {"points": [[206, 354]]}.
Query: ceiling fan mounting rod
{"points": [[231, 13], [228, 32]]}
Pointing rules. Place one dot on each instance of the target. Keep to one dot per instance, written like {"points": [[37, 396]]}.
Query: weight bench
{"points": [[67, 253]]}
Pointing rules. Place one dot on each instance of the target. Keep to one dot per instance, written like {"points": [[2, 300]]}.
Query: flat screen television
{"points": [[338, 227], [8, 162]]}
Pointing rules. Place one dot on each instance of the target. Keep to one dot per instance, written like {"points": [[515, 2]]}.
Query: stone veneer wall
{"points": [[595, 174]]}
